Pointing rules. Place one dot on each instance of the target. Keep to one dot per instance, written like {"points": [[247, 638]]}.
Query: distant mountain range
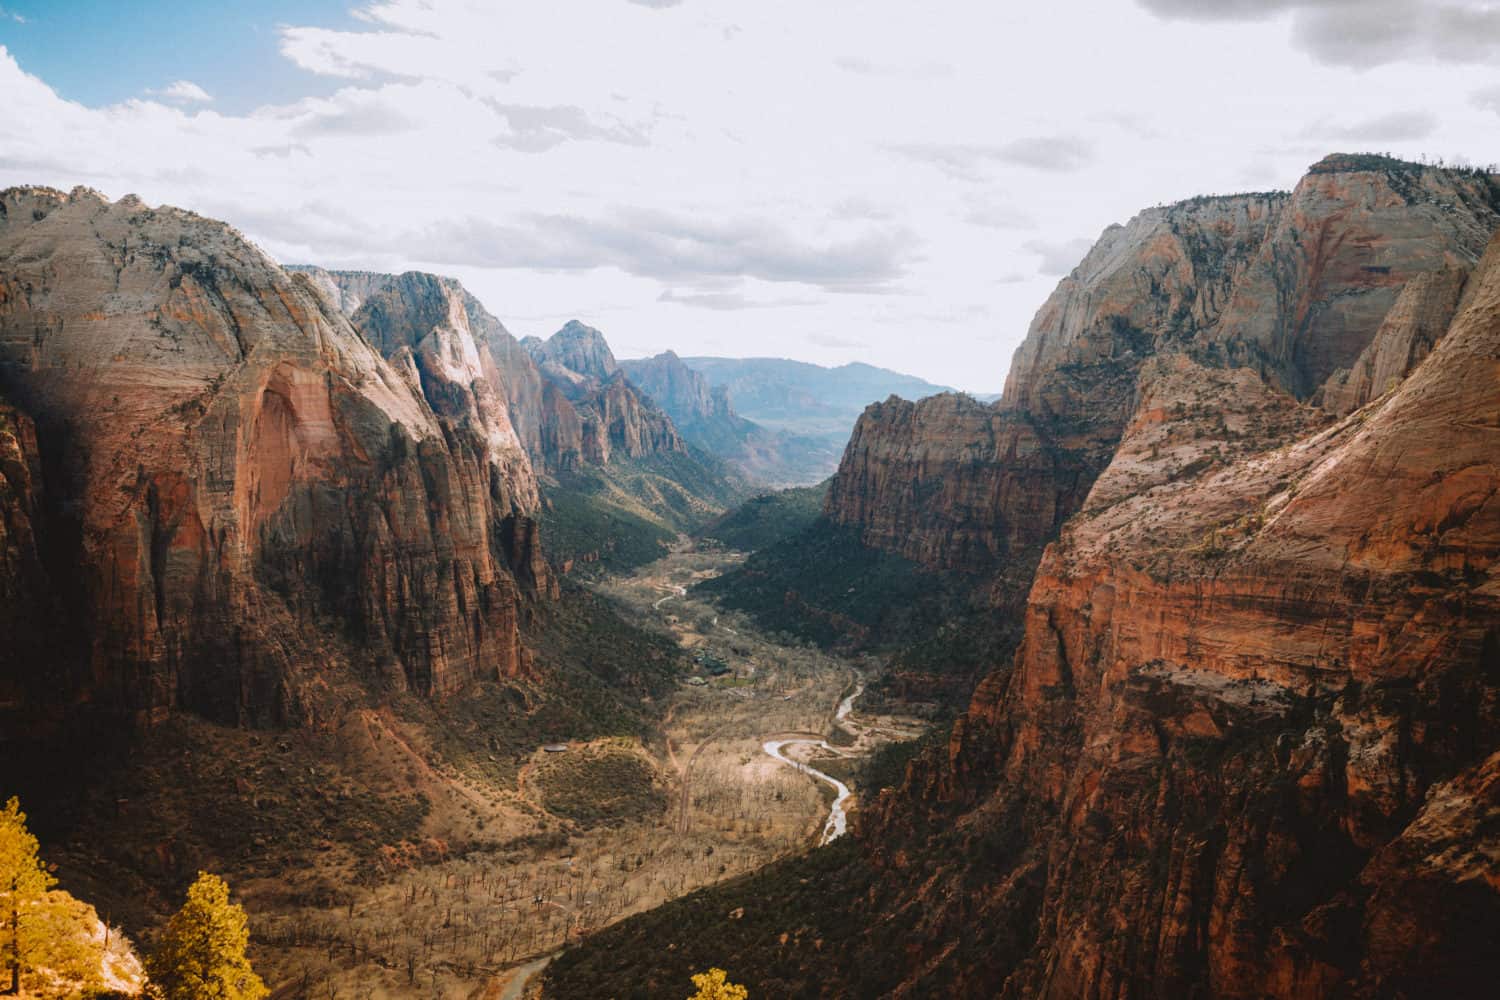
{"points": [[707, 417], [806, 399]]}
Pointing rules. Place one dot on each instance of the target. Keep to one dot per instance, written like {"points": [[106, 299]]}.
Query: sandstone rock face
{"points": [[422, 322], [609, 416], [1421, 313], [577, 349], [1249, 744], [1148, 284], [563, 417], [1345, 281], [684, 393], [25, 612], [953, 484], [254, 498], [619, 420], [406, 307], [1345, 244]]}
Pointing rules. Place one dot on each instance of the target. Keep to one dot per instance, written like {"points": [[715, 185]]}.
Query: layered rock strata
{"points": [[565, 417], [251, 497], [1250, 741], [1327, 293]]}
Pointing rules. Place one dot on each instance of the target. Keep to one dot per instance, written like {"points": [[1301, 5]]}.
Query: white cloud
{"points": [[835, 342], [729, 301], [1488, 99], [1394, 126], [1059, 257], [1365, 33], [716, 177], [907, 71], [970, 161], [182, 92], [994, 215], [666, 247]]}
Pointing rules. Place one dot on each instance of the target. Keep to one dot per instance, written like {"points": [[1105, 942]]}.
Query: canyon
{"points": [[277, 601], [1354, 269], [1241, 491], [367, 600]]}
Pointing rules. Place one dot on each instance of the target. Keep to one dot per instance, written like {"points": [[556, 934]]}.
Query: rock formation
{"points": [[254, 505], [1415, 322], [684, 393], [1253, 729], [609, 460], [612, 417], [27, 618], [564, 398], [576, 352], [1343, 282], [953, 484], [1249, 745]]}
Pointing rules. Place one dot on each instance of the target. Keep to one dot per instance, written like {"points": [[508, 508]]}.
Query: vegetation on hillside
{"points": [[823, 585], [135, 818], [587, 645], [625, 514], [1387, 163], [768, 518], [53, 945], [774, 926], [777, 928], [715, 985]]}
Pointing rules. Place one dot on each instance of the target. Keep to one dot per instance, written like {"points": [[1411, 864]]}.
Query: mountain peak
{"points": [[579, 348]]}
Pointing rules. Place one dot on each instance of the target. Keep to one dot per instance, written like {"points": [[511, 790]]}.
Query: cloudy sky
{"points": [[889, 181]]}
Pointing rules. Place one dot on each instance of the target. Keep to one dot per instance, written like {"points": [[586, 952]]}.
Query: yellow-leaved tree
{"points": [[24, 882], [200, 954], [715, 985], [52, 945]]}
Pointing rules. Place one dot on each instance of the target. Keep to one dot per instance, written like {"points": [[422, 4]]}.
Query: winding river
{"points": [[838, 819]]}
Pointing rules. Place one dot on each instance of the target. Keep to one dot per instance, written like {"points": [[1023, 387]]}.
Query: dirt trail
{"points": [[371, 718], [511, 985], [517, 985]]}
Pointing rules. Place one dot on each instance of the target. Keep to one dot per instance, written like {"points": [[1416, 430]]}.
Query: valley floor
{"points": [[742, 771]]}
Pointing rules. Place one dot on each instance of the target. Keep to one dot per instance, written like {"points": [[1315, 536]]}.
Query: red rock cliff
{"points": [[1306, 288], [564, 417], [1250, 745], [954, 484], [258, 505], [27, 617], [594, 412]]}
